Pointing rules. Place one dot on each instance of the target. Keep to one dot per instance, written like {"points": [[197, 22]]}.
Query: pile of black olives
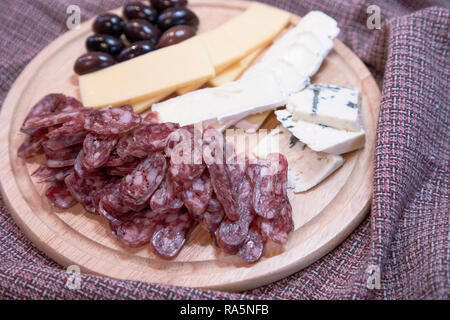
{"points": [[144, 27]]}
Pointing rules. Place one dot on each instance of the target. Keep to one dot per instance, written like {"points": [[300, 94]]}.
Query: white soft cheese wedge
{"points": [[231, 101], [307, 168], [307, 39], [330, 105], [322, 138], [290, 77], [324, 27]]}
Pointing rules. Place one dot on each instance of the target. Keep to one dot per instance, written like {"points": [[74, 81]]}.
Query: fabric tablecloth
{"points": [[406, 235]]}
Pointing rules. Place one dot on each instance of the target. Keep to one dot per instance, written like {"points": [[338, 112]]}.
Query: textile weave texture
{"points": [[407, 232]]}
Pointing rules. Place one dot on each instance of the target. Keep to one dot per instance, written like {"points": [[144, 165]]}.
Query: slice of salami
{"points": [[48, 120], [213, 215], [136, 229], [62, 157], [124, 146], [45, 106], [83, 190], [151, 118], [137, 187], [253, 247], [68, 128], [269, 182], [97, 149], [196, 195], [83, 172], [47, 174], [111, 207], [150, 138], [111, 121], [230, 236], [278, 229], [168, 197], [122, 170], [60, 196], [64, 141], [115, 160], [68, 104], [31, 147], [214, 152], [185, 151], [171, 234]]}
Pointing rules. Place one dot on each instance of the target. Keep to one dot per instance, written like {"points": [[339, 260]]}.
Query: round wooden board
{"points": [[323, 216]]}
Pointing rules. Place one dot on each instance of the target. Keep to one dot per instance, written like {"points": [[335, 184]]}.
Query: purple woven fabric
{"points": [[407, 233]]}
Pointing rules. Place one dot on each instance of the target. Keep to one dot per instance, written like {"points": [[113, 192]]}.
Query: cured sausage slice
{"points": [[45, 106], [168, 197], [31, 147], [185, 151], [47, 174], [269, 181], [196, 195], [253, 247], [150, 138], [213, 215], [61, 158], [171, 234], [107, 121], [97, 149], [137, 187], [64, 141], [278, 229], [60, 196], [136, 229], [83, 190], [48, 120], [83, 172]]}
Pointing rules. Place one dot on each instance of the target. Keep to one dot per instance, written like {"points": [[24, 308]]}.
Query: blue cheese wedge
{"points": [[329, 105], [307, 168], [322, 138], [231, 101]]}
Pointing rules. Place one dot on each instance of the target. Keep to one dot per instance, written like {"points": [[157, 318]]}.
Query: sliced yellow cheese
{"points": [[190, 88], [256, 27], [241, 36], [236, 70], [144, 105], [148, 76]]}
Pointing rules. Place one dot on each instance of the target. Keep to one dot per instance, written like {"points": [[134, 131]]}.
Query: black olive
{"points": [[93, 61], [162, 5], [138, 10], [104, 43], [139, 30], [177, 16], [109, 23], [136, 49], [175, 35]]}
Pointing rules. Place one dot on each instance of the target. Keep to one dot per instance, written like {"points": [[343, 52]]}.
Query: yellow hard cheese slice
{"points": [[256, 27], [148, 76], [241, 36], [236, 70]]}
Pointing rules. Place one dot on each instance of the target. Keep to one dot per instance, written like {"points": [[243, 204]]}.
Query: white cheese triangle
{"points": [[307, 168], [322, 138]]}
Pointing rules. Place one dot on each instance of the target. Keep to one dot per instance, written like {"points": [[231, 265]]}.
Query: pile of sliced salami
{"points": [[151, 183]]}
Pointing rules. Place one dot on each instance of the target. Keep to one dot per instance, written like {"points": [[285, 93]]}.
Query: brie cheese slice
{"points": [[322, 138], [289, 77], [234, 100], [307, 168]]}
